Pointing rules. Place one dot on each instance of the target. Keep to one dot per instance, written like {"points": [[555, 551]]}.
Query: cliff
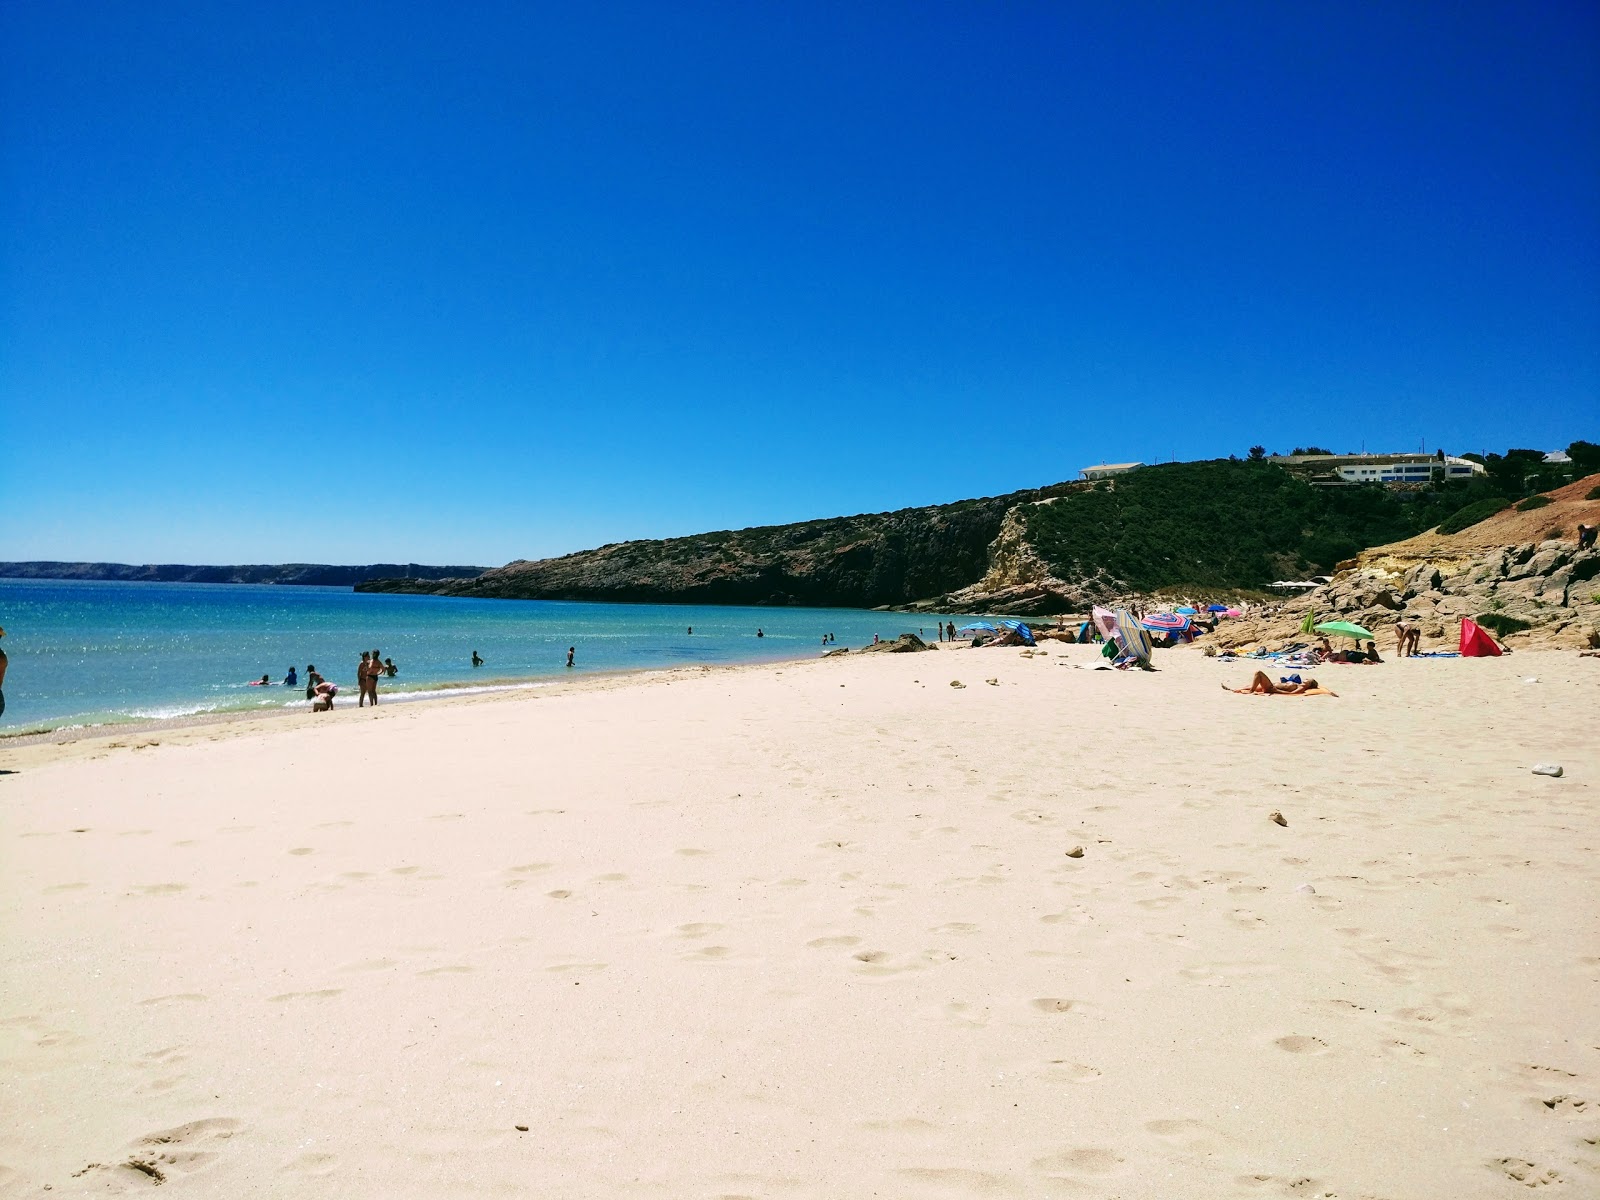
{"points": [[302, 574], [864, 561], [1224, 524], [1518, 573]]}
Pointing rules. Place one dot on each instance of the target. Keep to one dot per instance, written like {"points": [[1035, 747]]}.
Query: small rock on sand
{"points": [[1277, 817], [1551, 769], [957, 683], [1307, 889], [1075, 852]]}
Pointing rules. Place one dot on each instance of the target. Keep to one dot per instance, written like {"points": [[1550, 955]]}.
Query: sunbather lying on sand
{"points": [[1262, 686]]}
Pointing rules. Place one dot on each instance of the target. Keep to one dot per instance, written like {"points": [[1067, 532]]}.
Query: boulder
{"points": [[906, 643]]}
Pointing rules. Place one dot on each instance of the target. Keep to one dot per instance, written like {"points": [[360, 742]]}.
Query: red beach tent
{"points": [[1475, 643]]}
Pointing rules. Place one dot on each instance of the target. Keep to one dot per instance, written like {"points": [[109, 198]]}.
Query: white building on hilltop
{"points": [[1107, 470], [1334, 469]]}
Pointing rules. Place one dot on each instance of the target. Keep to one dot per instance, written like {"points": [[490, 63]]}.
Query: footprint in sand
{"points": [[184, 1149], [452, 970], [1050, 1004], [1082, 1160], [1285, 1185], [161, 889], [560, 894], [698, 929], [1567, 1106], [302, 850], [176, 998], [1528, 1174], [824, 943], [404, 870], [1300, 1044], [692, 852], [1059, 1070], [322, 994]]}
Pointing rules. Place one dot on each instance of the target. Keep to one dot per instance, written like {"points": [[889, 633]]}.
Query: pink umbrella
{"points": [[1232, 612]]}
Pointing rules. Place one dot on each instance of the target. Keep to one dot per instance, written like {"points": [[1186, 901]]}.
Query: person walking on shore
{"points": [[2, 678]]}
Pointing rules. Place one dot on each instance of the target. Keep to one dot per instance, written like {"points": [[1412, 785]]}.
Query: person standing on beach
{"points": [[950, 631], [363, 678], [571, 650], [2, 678], [374, 673]]}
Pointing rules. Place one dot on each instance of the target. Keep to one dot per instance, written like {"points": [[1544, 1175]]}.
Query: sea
{"points": [[99, 654]]}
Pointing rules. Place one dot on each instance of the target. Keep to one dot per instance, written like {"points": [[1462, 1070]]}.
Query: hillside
{"points": [[1222, 524], [1518, 573], [862, 561], [301, 574]]}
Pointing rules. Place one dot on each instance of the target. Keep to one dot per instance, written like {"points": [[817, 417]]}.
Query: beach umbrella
{"points": [[1165, 622], [1233, 612], [1105, 621], [1132, 637], [1186, 611], [1216, 608], [977, 627], [1344, 629], [1022, 630]]}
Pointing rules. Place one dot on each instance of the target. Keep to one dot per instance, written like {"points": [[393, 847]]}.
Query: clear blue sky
{"points": [[471, 282]]}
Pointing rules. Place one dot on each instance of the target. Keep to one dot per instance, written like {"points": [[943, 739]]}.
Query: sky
{"points": [[461, 284]]}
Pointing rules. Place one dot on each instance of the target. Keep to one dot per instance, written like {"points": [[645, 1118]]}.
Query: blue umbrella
{"points": [[1022, 630], [1216, 608], [978, 626], [1165, 622], [1186, 611]]}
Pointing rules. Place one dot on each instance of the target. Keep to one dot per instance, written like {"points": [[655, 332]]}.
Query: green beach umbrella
{"points": [[1345, 629]]}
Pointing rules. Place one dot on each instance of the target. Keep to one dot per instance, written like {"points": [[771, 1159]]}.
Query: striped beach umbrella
{"points": [[1132, 636], [1163, 622]]}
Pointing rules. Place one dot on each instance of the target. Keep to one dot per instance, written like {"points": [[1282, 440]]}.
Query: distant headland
{"points": [[293, 574]]}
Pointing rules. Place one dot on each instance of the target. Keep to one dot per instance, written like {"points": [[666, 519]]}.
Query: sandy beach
{"points": [[814, 930]]}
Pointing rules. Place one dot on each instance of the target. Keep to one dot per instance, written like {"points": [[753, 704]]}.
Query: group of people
{"points": [[321, 692], [1326, 653]]}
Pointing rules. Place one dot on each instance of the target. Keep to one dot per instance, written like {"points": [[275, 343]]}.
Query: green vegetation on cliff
{"points": [[1223, 524]]}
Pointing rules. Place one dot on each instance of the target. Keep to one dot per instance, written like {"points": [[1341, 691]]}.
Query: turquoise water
{"points": [[101, 653]]}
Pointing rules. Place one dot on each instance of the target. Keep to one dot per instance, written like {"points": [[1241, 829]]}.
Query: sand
{"points": [[814, 930]]}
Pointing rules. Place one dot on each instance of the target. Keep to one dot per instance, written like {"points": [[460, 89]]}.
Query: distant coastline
{"points": [[291, 574]]}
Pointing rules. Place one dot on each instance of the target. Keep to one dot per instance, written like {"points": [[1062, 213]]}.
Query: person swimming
{"points": [[291, 679]]}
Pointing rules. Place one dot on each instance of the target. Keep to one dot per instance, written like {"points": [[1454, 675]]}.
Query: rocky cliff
{"points": [[1518, 573], [1210, 526], [867, 561]]}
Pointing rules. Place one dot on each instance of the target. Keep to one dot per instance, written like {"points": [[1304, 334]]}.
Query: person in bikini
{"points": [[1261, 685], [364, 678], [374, 673]]}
